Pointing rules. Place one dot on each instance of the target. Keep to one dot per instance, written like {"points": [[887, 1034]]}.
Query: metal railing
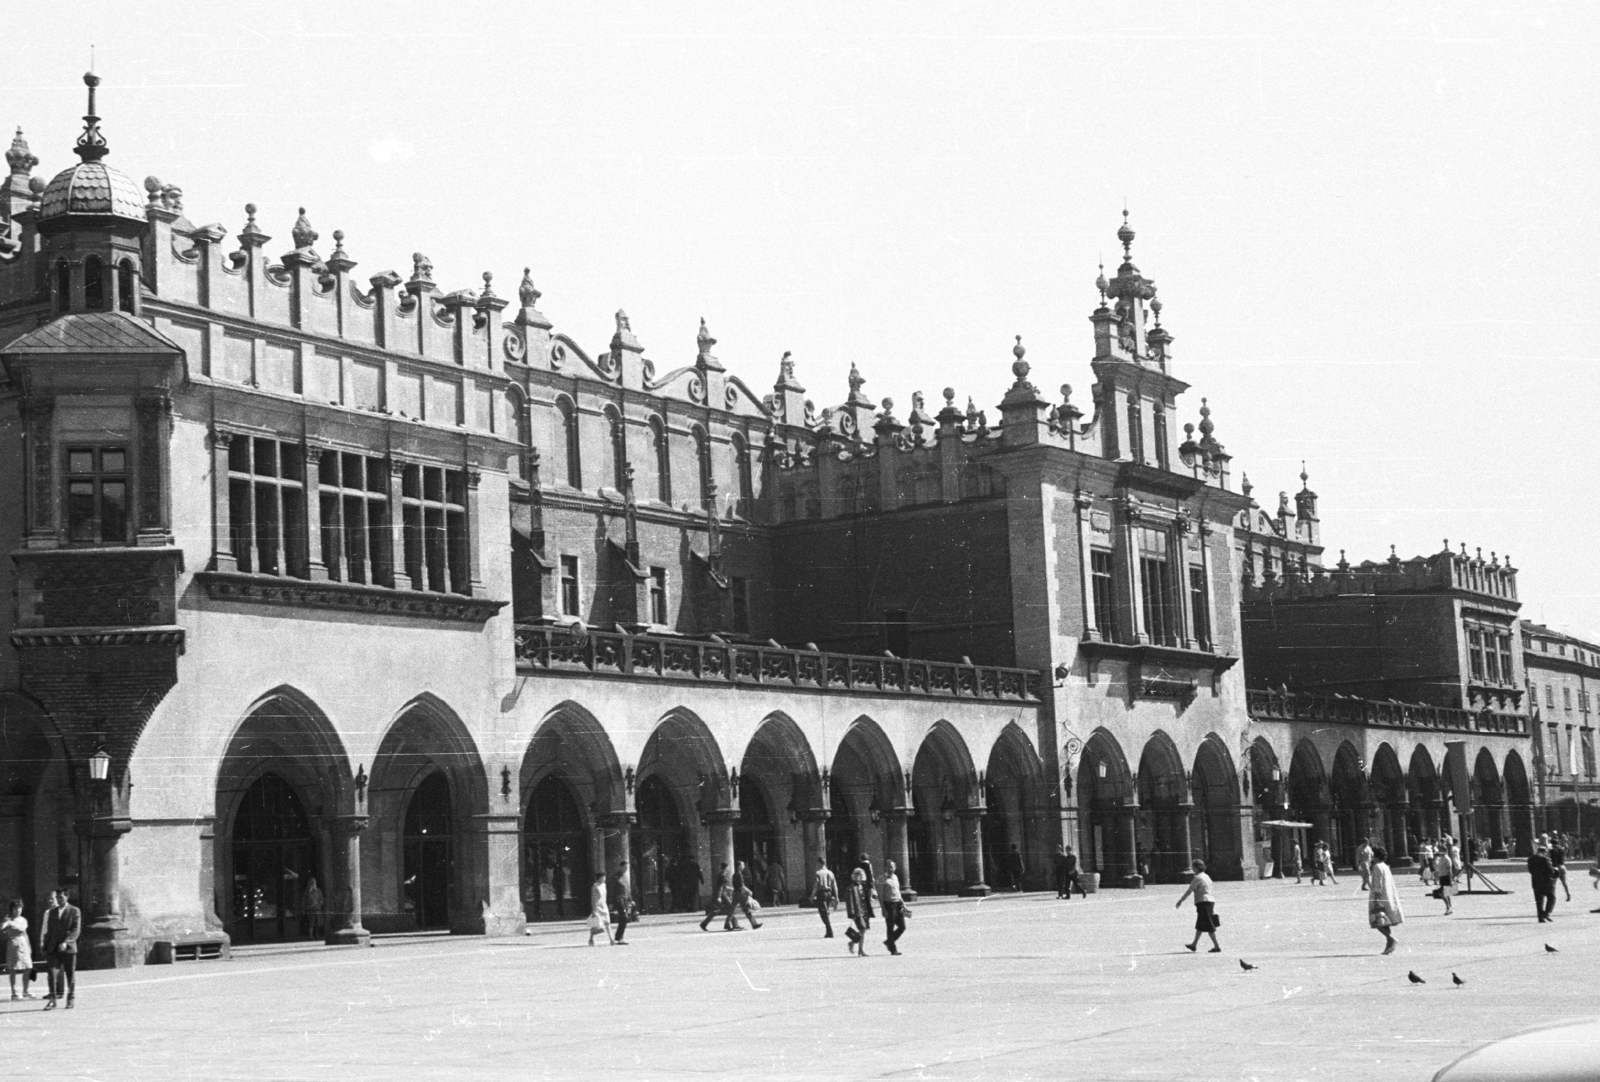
{"points": [[1293, 706], [658, 657]]}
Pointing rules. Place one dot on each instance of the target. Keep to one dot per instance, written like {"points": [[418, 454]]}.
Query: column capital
{"points": [[719, 815], [814, 815], [616, 819], [971, 813], [348, 824]]}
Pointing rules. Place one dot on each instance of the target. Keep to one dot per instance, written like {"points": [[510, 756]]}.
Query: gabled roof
{"points": [[94, 332]]}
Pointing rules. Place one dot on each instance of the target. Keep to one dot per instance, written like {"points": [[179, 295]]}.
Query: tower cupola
{"points": [[91, 189]]}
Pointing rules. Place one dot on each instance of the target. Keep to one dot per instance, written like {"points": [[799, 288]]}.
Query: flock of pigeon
{"points": [[1411, 975]]}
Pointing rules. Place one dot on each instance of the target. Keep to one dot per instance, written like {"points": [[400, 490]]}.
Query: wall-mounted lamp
{"points": [[505, 783], [1100, 768], [875, 809], [100, 764]]}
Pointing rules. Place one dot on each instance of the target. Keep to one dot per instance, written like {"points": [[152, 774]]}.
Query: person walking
{"points": [[1542, 875], [742, 893], [59, 945], [1013, 867], [599, 916], [1558, 864], [1425, 862], [721, 902], [825, 895], [856, 900], [1066, 862], [18, 950], [1383, 899], [871, 890], [1444, 871], [312, 906], [894, 907], [1292, 865], [1364, 863], [1205, 907], [619, 899]]}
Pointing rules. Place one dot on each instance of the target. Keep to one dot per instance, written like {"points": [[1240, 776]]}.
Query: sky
{"points": [[1372, 225]]}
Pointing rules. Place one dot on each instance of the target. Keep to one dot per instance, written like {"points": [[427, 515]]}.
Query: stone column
{"points": [[1184, 836], [616, 830], [1497, 832], [311, 482], [1127, 831], [344, 909], [1522, 815], [898, 848], [814, 835], [395, 536], [972, 852], [492, 893], [719, 829], [223, 558], [106, 943]]}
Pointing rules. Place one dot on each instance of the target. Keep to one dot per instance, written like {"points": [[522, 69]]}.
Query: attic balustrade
{"points": [[1267, 705], [656, 657]]}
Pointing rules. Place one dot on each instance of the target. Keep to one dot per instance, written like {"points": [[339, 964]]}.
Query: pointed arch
{"points": [[943, 780], [1214, 788], [569, 741], [778, 749], [1014, 823], [1106, 812]]}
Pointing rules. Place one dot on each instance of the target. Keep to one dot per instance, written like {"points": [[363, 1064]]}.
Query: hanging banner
{"points": [[1459, 775]]}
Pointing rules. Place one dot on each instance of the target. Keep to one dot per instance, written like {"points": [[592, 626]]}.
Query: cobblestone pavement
{"points": [[1013, 987]]}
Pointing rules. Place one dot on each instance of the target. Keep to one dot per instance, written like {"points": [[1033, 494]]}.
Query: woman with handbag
{"points": [[1444, 871], [1205, 908], [855, 901], [18, 951], [1383, 900], [599, 912]]}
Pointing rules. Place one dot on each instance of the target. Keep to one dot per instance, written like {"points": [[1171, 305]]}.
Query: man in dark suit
{"points": [[59, 941], [1543, 877]]}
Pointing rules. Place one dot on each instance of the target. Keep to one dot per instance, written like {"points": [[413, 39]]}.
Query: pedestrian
{"points": [[1383, 899], [599, 917], [1425, 862], [894, 907], [1292, 865], [1014, 868], [1205, 908], [756, 879], [1558, 863], [1327, 864], [18, 950], [1074, 875], [721, 901], [311, 908], [694, 881], [777, 883], [1364, 862], [1444, 871], [857, 899], [825, 895], [871, 890], [1542, 875], [1063, 875], [59, 944], [619, 899], [742, 895]]}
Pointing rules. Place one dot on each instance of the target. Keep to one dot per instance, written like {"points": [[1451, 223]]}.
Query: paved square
{"points": [[1014, 987]]}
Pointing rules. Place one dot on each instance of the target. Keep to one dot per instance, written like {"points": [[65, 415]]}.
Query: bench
{"points": [[197, 948]]}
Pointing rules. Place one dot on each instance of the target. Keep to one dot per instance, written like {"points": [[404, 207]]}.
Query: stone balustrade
{"points": [[1266, 705]]}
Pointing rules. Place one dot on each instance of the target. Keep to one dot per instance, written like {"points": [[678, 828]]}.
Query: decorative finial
{"points": [[1101, 284], [488, 289], [786, 367], [1206, 425], [855, 379], [338, 245], [703, 339], [1019, 367], [526, 291], [888, 405], [950, 397], [304, 236], [91, 146], [1245, 486], [1305, 478], [1126, 235], [1155, 309], [153, 187], [421, 268], [19, 157]]}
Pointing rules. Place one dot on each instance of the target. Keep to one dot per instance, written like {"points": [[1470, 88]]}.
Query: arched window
{"points": [[741, 460], [702, 450], [569, 434], [618, 444], [658, 436], [94, 284], [63, 286], [125, 285]]}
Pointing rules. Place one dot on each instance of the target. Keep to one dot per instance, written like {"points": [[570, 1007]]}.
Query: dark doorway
{"points": [[429, 857], [274, 862], [844, 849], [924, 856], [755, 838], [660, 848], [556, 861]]}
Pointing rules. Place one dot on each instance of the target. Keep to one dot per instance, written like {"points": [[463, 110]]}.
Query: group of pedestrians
{"points": [[864, 890], [58, 946]]}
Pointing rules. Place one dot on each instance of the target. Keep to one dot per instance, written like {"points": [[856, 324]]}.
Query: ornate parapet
{"points": [[655, 657], [1266, 705], [346, 597]]}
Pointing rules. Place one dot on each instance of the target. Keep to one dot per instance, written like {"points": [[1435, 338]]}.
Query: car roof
{"points": [[1559, 1052]]}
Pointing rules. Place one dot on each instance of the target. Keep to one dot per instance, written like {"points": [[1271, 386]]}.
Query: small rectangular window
{"points": [[1155, 579], [1507, 673], [1566, 699], [1101, 587], [1475, 653], [658, 595], [569, 586], [97, 495], [1200, 608], [1549, 696]]}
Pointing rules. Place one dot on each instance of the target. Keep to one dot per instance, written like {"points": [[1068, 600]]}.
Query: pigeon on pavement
{"points": [[1246, 966], [1414, 979], [1457, 981], [1548, 949]]}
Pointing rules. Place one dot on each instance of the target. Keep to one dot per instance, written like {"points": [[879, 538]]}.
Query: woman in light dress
{"points": [[1425, 862], [18, 951], [1444, 870], [599, 910], [1383, 899]]}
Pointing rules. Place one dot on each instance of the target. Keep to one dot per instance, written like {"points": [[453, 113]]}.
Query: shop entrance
{"points": [[556, 860], [660, 850], [274, 863], [429, 858]]}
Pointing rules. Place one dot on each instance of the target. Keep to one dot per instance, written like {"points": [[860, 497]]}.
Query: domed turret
{"points": [[91, 188]]}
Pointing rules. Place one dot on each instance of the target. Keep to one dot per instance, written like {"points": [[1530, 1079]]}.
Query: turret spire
{"points": [[91, 146], [19, 157]]}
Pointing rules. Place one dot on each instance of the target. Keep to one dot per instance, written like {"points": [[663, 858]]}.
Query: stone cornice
{"points": [[346, 597], [26, 638]]}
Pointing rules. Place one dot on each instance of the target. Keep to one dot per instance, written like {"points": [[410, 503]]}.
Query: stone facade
{"points": [[1563, 673]]}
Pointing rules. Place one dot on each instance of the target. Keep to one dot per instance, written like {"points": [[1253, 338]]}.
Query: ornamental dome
{"points": [[92, 188]]}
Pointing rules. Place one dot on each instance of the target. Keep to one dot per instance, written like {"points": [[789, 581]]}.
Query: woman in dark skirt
{"points": [[1205, 908]]}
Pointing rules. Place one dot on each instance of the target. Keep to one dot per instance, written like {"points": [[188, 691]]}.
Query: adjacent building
{"points": [[1563, 674]]}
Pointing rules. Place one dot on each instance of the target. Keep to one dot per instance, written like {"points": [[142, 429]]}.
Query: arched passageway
{"points": [[38, 844], [1519, 804], [1014, 818], [1269, 801], [694, 810], [1428, 813], [557, 857], [1308, 799], [572, 787], [1488, 811], [428, 864], [1107, 816], [666, 873], [1165, 844], [1215, 831], [288, 814], [943, 788], [1391, 800], [780, 812], [1348, 807], [866, 800]]}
